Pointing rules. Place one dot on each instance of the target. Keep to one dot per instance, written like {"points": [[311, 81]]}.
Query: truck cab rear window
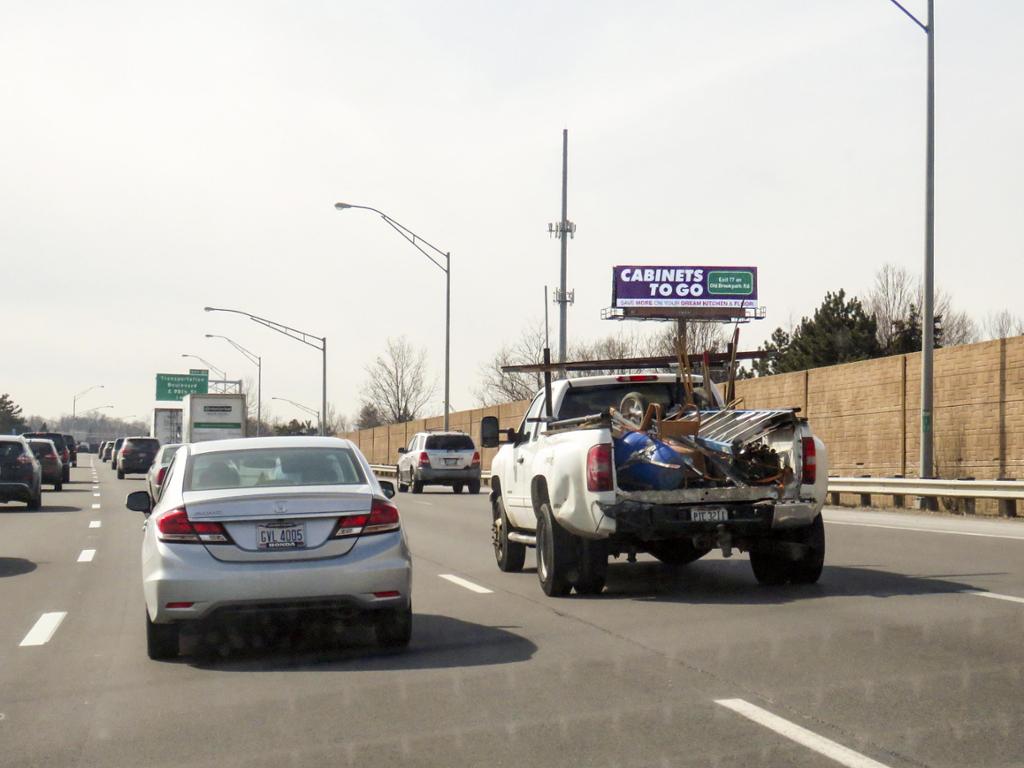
{"points": [[583, 401]]}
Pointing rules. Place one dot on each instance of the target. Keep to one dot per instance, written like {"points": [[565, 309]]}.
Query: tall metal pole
{"points": [[563, 299], [323, 394], [259, 394], [447, 333], [928, 321]]}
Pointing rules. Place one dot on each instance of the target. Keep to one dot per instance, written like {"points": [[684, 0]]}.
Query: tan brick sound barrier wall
{"points": [[867, 413]]}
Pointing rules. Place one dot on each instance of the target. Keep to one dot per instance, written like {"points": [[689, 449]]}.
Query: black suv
{"points": [[20, 473], [136, 455], [62, 448]]}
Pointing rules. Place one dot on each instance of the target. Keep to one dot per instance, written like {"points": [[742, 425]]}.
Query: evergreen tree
{"points": [[11, 421]]}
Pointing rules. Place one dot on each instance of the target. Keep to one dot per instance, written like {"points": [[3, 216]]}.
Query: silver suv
{"points": [[439, 458]]}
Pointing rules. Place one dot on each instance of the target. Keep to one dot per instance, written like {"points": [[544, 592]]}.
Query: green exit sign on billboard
{"points": [[175, 386]]}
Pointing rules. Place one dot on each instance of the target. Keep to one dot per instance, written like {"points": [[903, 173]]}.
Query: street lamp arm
{"points": [[311, 411], [404, 231], [288, 331], [252, 357], [912, 16]]}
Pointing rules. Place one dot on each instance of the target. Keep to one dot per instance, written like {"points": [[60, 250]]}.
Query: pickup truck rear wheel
{"points": [[807, 570], [593, 568], [510, 555], [556, 554]]}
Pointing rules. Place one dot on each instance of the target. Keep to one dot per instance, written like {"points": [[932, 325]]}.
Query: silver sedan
{"points": [[272, 525]]}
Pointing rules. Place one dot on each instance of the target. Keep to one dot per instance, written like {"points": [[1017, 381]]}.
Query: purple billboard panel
{"points": [[649, 286]]}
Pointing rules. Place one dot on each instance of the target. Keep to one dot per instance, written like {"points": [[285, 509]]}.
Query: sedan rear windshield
{"points": [[144, 444], [40, 448], [449, 443], [10, 449], [273, 467]]}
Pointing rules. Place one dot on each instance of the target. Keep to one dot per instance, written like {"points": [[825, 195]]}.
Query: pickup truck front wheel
{"points": [[510, 555], [556, 554]]}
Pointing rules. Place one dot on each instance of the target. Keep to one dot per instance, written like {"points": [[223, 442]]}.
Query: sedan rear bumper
{"points": [[187, 573]]}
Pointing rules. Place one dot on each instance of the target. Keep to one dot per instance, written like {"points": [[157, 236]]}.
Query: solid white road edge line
{"points": [[44, 628], [802, 736], [466, 584], [95, 524], [993, 595], [86, 555], [925, 530]]}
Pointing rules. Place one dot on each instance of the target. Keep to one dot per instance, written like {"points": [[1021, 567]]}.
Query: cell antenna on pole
{"points": [[562, 230]]}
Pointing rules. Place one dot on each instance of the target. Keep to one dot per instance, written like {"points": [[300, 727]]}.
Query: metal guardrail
{"points": [[1007, 492]]}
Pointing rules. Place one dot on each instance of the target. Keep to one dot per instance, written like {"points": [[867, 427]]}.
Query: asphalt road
{"points": [[909, 652]]}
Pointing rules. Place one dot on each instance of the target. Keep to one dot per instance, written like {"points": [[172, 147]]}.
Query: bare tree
{"points": [[701, 336], [497, 386], [397, 384], [897, 296], [1002, 324], [336, 422]]}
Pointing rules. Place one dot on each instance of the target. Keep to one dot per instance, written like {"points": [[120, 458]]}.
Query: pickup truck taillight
{"points": [[599, 468], [476, 459], [424, 459], [175, 526], [810, 462]]}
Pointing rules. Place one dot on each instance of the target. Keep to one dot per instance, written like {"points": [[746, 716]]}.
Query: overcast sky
{"points": [[159, 157]]}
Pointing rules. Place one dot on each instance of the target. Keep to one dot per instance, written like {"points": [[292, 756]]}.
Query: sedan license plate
{"points": [[280, 535], [709, 515]]}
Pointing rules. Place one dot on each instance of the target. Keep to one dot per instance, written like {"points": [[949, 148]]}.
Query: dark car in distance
{"points": [[72, 449], [136, 455], [62, 449], [49, 460], [21, 476]]}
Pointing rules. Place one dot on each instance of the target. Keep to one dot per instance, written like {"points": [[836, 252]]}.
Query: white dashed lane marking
{"points": [[95, 506], [96, 495], [44, 628], [95, 524], [993, 595], [466, 584], [86, 555], [792, 731]]}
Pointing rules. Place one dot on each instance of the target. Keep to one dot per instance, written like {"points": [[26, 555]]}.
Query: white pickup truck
{"points": [[555, 486]]}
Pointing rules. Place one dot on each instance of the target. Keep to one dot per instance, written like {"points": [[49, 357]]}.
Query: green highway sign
{"points": [[731, 283], [199, 372], [175, 386]]}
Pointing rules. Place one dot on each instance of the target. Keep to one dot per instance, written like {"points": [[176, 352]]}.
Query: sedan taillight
{"points": [[383, 517], [160, 475], [175, 526]]}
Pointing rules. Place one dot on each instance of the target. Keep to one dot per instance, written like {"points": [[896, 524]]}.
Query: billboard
{"points": [[175, 386], [681, 287]]}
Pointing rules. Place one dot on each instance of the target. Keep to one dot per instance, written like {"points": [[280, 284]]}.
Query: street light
{"points": [[209, 365], [252, 357], [928, 321], [74, 403], [307, 409], [415, 239], [308, 339]]}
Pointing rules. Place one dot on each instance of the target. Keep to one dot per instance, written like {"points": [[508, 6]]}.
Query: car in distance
{"points": [[62, 449], [72, 445], [157, 471], [113, 451], [136, 455], [20, 473], [269, 526], [105, 450], [439, 458], [49, 460]]}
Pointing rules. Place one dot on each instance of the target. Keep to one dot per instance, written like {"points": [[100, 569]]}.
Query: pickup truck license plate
{"points": [[280, 535], [709, 515]]}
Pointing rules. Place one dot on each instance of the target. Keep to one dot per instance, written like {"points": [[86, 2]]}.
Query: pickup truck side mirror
{"points": [[489, 432]]}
